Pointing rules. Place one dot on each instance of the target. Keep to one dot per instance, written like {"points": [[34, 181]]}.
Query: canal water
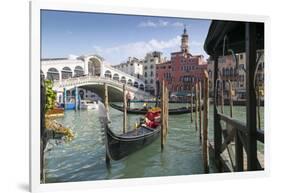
{"points": [[83, 158]]}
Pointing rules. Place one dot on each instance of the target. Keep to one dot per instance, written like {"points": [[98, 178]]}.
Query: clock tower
{"points": [[184, 41]]}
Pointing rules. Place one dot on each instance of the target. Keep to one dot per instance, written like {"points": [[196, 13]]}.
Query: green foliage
{"points": [[50, 95]]}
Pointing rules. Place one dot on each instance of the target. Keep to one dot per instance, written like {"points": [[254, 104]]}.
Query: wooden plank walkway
{"points": [[226, 160]]}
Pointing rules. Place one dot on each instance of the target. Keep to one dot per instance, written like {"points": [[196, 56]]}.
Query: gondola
{"points": [[120, 146], [141, 111]]}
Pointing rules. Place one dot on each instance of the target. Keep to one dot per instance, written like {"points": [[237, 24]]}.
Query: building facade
{"points": [[149, 70], [236, 74], [182, 71], [133, 66]]}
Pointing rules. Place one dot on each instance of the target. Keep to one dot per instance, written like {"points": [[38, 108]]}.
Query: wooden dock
{"points": [[225, 159]]}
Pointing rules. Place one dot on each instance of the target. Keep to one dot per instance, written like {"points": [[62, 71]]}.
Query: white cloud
{"points": [[137, 49], [160, 23], [178, 24]]}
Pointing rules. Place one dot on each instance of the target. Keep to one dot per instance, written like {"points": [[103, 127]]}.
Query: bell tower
{"points": [[184, 41]]}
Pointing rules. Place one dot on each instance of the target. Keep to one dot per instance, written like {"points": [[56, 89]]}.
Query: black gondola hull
{"points": [[177, 111], [120, 146]]}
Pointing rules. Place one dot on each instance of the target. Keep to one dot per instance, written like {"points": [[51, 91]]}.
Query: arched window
{"points": [[66, 73], [78, 71], [223, 71], [53, 74], [231, 72], [123, 79], [141, 87], [116, 77], [136, 84], [94, 67], [226, 72], [107, 74], [129, 82]]}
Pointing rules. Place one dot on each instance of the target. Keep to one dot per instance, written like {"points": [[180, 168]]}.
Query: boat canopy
{"points": [[232, 35]]}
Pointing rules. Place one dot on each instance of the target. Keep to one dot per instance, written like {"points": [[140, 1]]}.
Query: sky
{"points": [[117, 37]]}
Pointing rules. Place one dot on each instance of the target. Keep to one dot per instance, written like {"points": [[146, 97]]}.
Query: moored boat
{"points": [[88, 104], [120, 146], [176, 111]]}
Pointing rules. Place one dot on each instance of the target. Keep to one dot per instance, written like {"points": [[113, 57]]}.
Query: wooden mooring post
{"points": [[222, 97], [200, 109], [107, 160], [164, 114], [106, 97], [259, 104], [125, 109], [205, 123], [230, 98], [191, 105], [196, 106]]}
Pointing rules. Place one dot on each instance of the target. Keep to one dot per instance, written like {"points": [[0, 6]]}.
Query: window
{"points": [[151, 81], [151, 74], [241, 56], [151, 60], [145, 74], [145, 67], [151, 67]]}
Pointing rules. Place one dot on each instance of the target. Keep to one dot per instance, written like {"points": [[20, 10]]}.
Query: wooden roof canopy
{"points": [[234, 31]]}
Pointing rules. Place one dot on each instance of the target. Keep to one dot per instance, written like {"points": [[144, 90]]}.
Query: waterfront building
{"points": [[149, 70], [228, 71], [133, 66], [182, 71]]}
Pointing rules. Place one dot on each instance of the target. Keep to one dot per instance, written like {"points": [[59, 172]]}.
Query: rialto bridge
{"points": [[89, 74]]}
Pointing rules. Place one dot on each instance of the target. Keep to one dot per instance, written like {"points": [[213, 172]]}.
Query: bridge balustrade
{"points": [[88, 79]]}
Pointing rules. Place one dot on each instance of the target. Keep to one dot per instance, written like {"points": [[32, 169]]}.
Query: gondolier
{"points": [[128, 97]]}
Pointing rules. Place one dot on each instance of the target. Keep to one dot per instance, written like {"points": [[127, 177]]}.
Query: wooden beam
{"points": [[106, 97], [234, 122], [196, 106], [125, 109], [217, 128], [239, 157], [222, 98], [251, 95], [205, 126], [200, 109], [230, 98], [191, 104]]}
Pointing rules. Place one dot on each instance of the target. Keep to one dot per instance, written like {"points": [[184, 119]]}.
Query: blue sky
{"points": [[116, 37]]}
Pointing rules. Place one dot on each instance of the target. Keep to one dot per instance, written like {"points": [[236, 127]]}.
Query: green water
{"points": [[84, 158]]}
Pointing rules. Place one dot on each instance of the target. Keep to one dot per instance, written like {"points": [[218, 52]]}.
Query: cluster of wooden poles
{"points": [[201, 121], [164, 105]]}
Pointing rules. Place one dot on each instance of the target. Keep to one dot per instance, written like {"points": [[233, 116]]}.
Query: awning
{"points": [[235, 33], [180, 94]]}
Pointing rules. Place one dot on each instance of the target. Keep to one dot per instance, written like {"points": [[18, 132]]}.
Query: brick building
{"points": [[228, 71], [181, 71]]}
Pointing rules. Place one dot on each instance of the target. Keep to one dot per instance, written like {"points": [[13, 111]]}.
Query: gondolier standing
{"points": [[128, 97]]}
